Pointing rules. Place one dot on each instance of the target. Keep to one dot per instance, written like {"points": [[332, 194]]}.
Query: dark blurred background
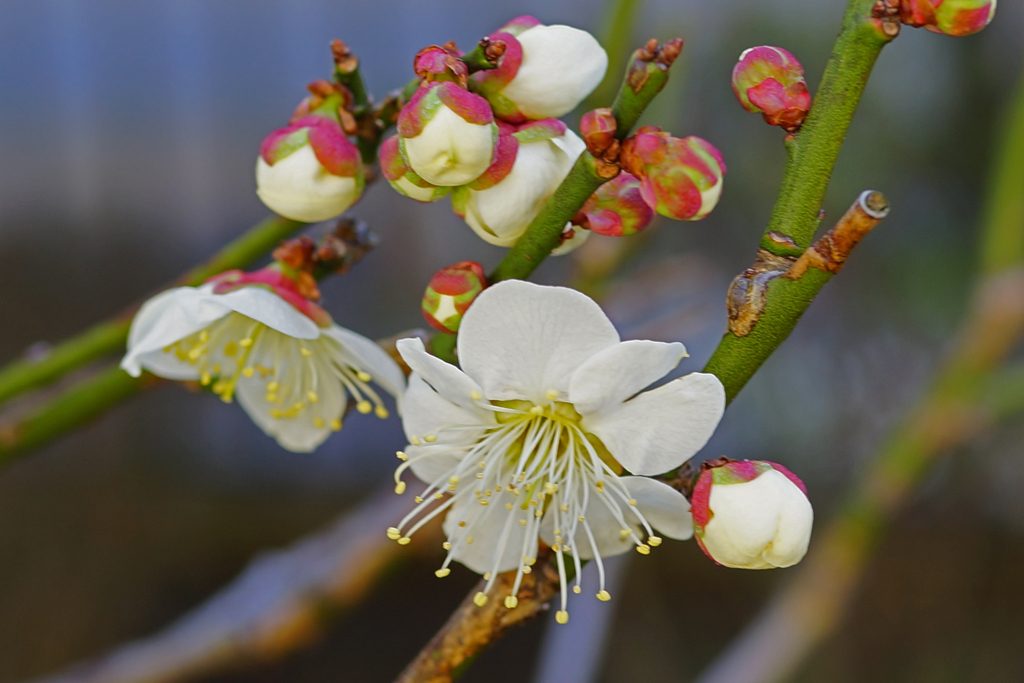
{"points": [[128, 140]]}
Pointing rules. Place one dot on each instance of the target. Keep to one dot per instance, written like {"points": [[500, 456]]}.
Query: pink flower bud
{"points": [[436, 63], [546, 71], [770, 81], [309, 171], [679, 178], [597, 129], [751, 514], [450, 292], [951, 17], [447, 134], [402, 178], [617, 208]]}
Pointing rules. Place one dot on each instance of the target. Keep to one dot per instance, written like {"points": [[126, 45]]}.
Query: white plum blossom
{"points": [[752, 514], [540, 436], [292, 370]]}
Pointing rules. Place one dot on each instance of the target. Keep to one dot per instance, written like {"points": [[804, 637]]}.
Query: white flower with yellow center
{"points": [[292, 375], [531, 440]]}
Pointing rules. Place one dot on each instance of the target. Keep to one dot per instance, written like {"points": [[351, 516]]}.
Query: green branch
{"points": [[110, 336]]}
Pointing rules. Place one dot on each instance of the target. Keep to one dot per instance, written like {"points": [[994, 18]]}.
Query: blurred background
{"points": [[129, 137]]}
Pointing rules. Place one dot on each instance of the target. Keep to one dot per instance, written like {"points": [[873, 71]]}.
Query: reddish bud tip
{"points": [[450, 293]]}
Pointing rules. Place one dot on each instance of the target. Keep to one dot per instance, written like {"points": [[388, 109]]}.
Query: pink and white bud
{"points": [[950, 17], [402, 178], [546, 71], [679, 178], [447, 134], [770, 81], [309, 171], [597, 128], [616, 209], [542, 153], [751, 514], [450, 292]]}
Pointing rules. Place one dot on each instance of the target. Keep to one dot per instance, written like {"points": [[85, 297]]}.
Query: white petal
{"points": [[519, 340], [487, 524], [617, 372], [262, 305], [665, 508], [166, 318], [450, 150], [426, 412], [561, 66], [662, 428], [372, 359], [445, 378], [300, 188]]}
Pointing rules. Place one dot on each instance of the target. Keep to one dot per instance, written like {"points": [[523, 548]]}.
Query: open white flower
{"points": [[531, 439], [292, 375]]}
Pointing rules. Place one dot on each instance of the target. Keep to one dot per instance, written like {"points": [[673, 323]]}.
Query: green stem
{"points": [[1003, 244], [814, 150], [110, 336]]}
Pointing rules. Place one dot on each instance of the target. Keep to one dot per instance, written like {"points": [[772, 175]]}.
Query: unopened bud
{"points": [[545, 72], [770, 81], [441, 63], [450, 292], [402, 178], [309, 171], [447, 134], [950, 17], [597, 128], [617, 208], [679, 178], [751, 514]]}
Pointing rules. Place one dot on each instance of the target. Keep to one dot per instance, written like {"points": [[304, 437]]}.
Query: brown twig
{"points": [[472, 628]]}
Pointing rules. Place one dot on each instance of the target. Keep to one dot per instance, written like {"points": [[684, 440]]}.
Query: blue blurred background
{"points": [[128, 141]]}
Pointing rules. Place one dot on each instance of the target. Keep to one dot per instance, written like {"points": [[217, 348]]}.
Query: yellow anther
{"points": [[508, 506], [271, 398], [632, 502], [245, 343], [414, 440], [625, 533], [400, 488], [204, 336], [557, 548], [562, 617], [551, 394], [511, 602], [483, 502], [577, 590], [439, 495], [603, 596], [442, 572], [417, 499], [530, 560], [446, 545], [452, 489], [273, 386], [393, 533], [536, 410], [461, 524], [479, 475], [582, 518], [599, 486], [550, 487], [527, 570], [313, 398], [469, 540], [404, 540], [538, 513], [563, 508], [318, 422], [481, 464], [364, 406], [205, 379], [298, 405], [476, 395], [487, 576], [305, 352], [480, 599], [654, 541], [363, 376], [230, 349], [454, 479], [336, 425], [249, 371], [522, 522], [401, 456], [430, 438], [381, 412], [558, 532], [643, 549], [195, 353]]}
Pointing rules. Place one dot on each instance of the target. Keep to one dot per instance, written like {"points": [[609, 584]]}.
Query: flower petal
{"points": [[610, 377], [263, 306], [166, 318], [662, 428], [488, 526], [520, 340], [445, 378], [371, 359], [428, 412]]}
